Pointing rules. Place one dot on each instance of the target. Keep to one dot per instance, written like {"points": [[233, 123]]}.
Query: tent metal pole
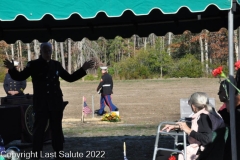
{"points": [[231, 88]]}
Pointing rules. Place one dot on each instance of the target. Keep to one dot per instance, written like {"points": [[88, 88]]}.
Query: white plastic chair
{"points": [[185, 109]]}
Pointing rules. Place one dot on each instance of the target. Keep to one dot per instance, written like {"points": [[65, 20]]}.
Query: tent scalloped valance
{"points": [[60, 10]]}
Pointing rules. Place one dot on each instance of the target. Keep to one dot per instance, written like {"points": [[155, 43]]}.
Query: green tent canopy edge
{"points": [[63, 9]]}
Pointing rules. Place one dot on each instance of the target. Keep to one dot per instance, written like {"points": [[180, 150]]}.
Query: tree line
{"points": [[186, 55]]}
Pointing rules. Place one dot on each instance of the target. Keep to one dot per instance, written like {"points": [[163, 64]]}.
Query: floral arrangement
{"points": [[219, 72], [111, 117]]}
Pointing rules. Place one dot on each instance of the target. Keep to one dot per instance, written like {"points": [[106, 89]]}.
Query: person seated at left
{"points": [[204, 121], [12, 87]]}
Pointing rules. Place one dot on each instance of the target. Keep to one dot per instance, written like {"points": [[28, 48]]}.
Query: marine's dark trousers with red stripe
{"points": [[106, 100]]}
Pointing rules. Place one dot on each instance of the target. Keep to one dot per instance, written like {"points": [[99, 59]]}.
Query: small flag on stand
{"points": [[86, 109], [124, 151]]}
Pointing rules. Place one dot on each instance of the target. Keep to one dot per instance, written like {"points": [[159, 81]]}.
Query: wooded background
{"points": [[186, 55]]}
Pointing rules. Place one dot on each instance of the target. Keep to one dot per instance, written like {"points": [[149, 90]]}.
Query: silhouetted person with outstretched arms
{"points": [[47, 95]]}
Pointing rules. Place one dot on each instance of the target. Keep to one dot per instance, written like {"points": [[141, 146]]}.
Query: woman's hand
{"points": [[169, 127], [13, 92], [183, 126]]}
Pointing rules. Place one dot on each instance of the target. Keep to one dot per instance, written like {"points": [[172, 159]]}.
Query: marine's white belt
{"points": [[106, 85]]}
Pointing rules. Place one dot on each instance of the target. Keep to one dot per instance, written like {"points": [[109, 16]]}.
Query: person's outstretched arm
{"points": [[75, 75], [15, 74]]}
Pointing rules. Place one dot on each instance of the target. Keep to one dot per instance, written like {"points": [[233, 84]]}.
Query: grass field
{"points": [[143, 104]]}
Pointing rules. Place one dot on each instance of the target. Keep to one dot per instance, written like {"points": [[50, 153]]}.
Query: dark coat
{"points": [[226, 117], [237, 78], [106, 84], [47, 94], [12, 85]]}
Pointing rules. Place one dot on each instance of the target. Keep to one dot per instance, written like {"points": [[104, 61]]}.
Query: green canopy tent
{"points": [[27, 20], [43, 20]]}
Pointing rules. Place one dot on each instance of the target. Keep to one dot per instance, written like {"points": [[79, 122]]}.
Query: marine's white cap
{"points": [[16, 63], [104, 68]]}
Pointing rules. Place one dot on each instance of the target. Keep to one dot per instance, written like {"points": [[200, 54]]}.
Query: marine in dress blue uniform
{"points": [[13, 87], [47, 95], [105, 87]]}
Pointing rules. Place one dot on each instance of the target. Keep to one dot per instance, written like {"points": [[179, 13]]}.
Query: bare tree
{"points": [[201, 47], [18, 57], [56, 50], [5, 50], [20, 54], [62, 55], [236, 43], [161, 52], [169, 42], [128, 41], [80, 55], [29, 52], [134, 45], [12, 50], [74, 56], [36, 49], [206, 51], [152, 39], [145, 43]]}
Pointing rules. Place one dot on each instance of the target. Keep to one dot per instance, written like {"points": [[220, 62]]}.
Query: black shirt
{"points": [[204, 133]]}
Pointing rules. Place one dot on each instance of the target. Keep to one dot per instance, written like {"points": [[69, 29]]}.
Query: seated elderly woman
{"points": [[204, 120]]}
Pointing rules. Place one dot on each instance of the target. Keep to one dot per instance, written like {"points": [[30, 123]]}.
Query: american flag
{"points": [[86, 109]]}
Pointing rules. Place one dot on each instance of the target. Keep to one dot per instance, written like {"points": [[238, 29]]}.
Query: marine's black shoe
{"points": [[97, 112]]}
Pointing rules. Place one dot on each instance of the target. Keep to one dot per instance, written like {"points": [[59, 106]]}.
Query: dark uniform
{"points": [[224, 97], [237, 78], [47, 98], [12, 85], [106, 87]]}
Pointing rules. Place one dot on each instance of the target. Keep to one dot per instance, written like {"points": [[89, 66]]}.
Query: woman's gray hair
{"points": [[201, 100]]}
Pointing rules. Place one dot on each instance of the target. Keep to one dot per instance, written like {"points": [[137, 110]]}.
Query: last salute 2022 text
{"points": [[70, 154]]}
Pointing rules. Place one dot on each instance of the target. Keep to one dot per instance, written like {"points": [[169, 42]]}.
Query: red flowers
{"points": [[237, 65], [172, 157], [217, 71]]}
